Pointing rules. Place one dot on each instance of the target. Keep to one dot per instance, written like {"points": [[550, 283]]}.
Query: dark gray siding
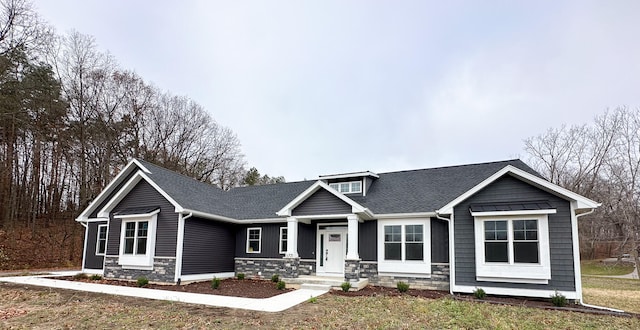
{"points": [[269, 241], [320, 203], [142, 195], [439, 240], [91, 260], [368, 240], [106, 200], [505, 189], [307, 241], [209, 247]]}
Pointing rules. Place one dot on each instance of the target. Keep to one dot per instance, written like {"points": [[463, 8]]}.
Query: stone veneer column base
{"points": [[267, 267], [352, 270], [164, 270], [439, 279]]}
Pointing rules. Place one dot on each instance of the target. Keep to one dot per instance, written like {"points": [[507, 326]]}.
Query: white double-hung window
{"points": [[512, 248], [404, 246], [137, 240]]}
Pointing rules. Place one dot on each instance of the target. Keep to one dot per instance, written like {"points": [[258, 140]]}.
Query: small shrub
{"points": [[215, 283], [95, 277], [479, 293], [345, 286], [142, 281], [402, 286], [559, 300], [281, 285], [275, 278], [313, 300], [240, 276], [80, 276]]}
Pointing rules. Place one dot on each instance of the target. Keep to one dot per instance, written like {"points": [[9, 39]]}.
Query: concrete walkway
{"points": [[274, 304]]}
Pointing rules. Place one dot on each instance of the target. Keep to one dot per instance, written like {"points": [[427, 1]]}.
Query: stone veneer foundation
{"points": [[267, 267], [439, 277], [354, 270], [164, 270]]}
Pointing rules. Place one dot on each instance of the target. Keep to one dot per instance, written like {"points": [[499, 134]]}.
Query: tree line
{"points": [[600, 160], [71, 117]]}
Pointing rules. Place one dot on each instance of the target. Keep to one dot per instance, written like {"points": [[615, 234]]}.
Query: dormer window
{"points": [[351, 187]]}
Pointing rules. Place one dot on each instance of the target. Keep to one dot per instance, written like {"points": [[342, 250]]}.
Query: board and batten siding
{"points": [[209, 247], [367, 240], [306, 241], [91, 260], [508, 188], [322, 202], [439, 241], [144, 195]]}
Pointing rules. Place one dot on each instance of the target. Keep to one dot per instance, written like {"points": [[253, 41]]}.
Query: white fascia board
{"points": [[84, 216], [508, 213], [582, 201], [141, 215], [404, 215], [286, 210], [140, 175], [205, 215], [96, 220], [348, 175]]}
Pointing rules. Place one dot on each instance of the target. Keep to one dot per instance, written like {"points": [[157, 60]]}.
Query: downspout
{"points": [[451, 265], [187, 216], [582, 302]]}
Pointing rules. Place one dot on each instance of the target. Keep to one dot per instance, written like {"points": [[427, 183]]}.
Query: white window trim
{"points": [[405, 267], [280, 240], [350, 191], [259, 239], [538, 273], [141, 261], [98, 240]]}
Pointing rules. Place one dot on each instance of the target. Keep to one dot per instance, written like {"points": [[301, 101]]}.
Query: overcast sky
{"points": [[322, 87]]}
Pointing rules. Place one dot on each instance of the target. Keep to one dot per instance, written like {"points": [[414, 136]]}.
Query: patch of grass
{"points": [[597, 267], [313, 300], [54, 309], [620, 293]]}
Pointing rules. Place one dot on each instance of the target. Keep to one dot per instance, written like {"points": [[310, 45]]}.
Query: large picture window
{"points": [[137, 240], [511, 241], [101, 240], [513, 248], [253, 240], [135, 237], [404, 246]]}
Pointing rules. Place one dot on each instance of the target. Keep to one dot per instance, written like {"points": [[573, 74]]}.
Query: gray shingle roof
{"points": [[424, 190]]}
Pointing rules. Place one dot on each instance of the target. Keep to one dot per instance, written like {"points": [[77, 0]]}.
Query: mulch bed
{"points": [[248, 288], [377, 291]]}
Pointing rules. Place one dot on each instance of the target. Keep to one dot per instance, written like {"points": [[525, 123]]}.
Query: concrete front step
{"points": [[306, 281]]}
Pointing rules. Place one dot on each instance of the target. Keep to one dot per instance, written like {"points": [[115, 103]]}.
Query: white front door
{"points": [[332, 251]]}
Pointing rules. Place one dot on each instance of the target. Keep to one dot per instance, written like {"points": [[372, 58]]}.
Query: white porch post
{"points": [[292, 238], [352, 243]]}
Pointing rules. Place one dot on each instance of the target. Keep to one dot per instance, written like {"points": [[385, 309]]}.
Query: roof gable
{"points": [[355, 207], [582, 202]]}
